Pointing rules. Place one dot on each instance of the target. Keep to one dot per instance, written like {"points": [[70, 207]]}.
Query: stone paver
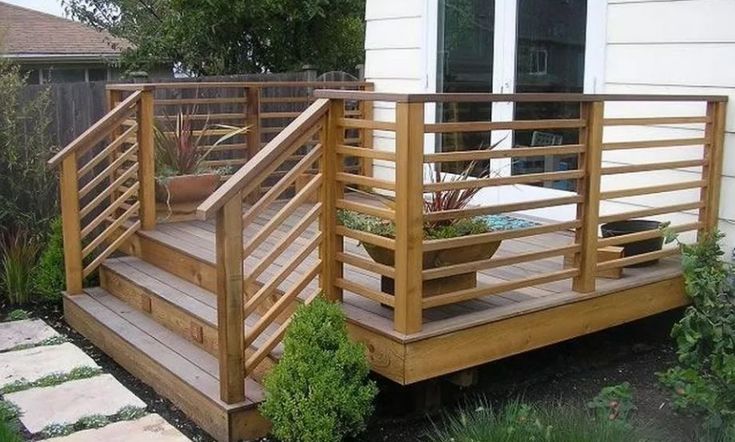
{"points": [[68, 402], [34, 363], [149, 428], [25, 332]]}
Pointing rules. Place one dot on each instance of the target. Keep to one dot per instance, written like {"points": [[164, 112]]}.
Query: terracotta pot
{"points": [[439, 258], [186, 188]]}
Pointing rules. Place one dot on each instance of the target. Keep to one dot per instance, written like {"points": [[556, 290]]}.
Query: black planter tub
{"points": [[625, 227]]}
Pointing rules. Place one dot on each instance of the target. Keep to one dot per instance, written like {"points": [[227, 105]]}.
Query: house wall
{"points": [[671, 47], [634, 46]]}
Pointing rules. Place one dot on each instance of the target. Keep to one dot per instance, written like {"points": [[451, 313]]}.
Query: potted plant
{"points": [[181, 174], [455, 199], [634, 248]]}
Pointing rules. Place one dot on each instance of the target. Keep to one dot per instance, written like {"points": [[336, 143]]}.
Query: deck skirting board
{"points": [[444, 354]]}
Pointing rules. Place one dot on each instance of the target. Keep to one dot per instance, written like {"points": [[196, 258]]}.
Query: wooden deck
{"points": [[373, 323]]}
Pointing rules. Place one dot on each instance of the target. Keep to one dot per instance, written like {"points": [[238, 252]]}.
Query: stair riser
{"points": [[224, 425], [179, 321], [191, 269]]}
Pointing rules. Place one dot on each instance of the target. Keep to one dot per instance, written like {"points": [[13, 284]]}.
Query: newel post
{"points": [[146, 161], [367, 112], [588, 212], [71, 225], [712, 170], [332, 135], [409, 200], [230, 316]]}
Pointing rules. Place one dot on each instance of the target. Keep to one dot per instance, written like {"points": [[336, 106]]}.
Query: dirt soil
{"points": [[572, 372]]}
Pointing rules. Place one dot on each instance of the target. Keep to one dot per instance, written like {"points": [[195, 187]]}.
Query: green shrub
{"points": [[519, 422], [319, 391], [18, 314], [18, 255], [49, 279], [8, 433], [614, 403], [704, 380], [28, 189]]}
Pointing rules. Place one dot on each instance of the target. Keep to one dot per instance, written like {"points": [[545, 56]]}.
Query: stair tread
{"points": [[196, 301], [177, 355]]}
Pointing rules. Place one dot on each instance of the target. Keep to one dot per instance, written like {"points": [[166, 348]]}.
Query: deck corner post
{"points": [[367, 112], [230, 316], [71, 225], [409, 197], [146, 161], [588, 211], [330, 164], [712, 170]]}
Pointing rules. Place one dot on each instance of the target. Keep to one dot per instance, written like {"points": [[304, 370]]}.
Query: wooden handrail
{"points": [[258, 164], [518, 98], [98, 130], [232, 84]]}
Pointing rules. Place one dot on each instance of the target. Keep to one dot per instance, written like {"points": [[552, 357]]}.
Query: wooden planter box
{"points": [[435, 259]]}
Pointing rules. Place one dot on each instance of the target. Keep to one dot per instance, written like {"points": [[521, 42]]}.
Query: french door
{"points": [[507, 46]]}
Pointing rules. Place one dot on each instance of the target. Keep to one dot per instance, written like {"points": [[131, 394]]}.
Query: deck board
{"points": [[198, 238]]}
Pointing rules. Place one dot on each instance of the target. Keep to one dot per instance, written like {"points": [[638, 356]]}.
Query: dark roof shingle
{"points": [[28, 32]]}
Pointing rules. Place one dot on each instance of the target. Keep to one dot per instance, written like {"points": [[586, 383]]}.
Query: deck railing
{"points": [[107, 194], [308, 167]]}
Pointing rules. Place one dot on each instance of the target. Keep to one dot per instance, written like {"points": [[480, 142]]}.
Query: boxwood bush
{"points": [[320, 390]]}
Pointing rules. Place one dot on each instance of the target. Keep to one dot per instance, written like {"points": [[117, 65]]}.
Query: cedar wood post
{"points": [[146, 161], [712, 170], [332, 135], [589, 187], [230, 315], [409, 217]]}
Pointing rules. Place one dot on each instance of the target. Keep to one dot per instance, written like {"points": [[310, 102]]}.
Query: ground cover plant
{"points": [[605, 419], [319, 391], [704, 380]]}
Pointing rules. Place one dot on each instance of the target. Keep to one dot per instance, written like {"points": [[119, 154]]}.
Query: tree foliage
{"points": [[220, 37]]}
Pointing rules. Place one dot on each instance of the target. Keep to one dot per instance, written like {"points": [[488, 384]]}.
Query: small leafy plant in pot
{"points": [[182, 175], [439, 201]]}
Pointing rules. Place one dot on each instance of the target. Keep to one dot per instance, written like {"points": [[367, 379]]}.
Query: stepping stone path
{"points": [[31, 351]]}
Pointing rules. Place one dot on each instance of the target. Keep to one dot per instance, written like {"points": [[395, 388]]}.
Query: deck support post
{"points": [[71, 225], [588, 211], [146, 161], [712, 169], [330, 164], [253, 136], [366, 140], [230, 317], [409, 222]]}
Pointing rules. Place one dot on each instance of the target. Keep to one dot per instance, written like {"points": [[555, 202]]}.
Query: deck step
{"points": [[172, 365], [181, 306]]}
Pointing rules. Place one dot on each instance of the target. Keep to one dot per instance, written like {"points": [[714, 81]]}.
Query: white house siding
{"points": [[395, 60], [671, 47]]}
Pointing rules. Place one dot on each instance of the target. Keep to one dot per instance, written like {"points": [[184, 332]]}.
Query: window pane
{"points": [[550, 58], [98, 74], [66, 75], [465, 64]]}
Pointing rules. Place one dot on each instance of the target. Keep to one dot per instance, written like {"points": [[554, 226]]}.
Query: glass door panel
{"points": [[465, 64], [550, 48]]}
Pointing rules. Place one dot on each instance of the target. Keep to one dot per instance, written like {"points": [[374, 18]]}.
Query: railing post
{"points": [[367, 113], [253, 138], [589, 187], [71, 225], [409, 217], [712, 170], [230, 318], [146, 161], [330, 163]]}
